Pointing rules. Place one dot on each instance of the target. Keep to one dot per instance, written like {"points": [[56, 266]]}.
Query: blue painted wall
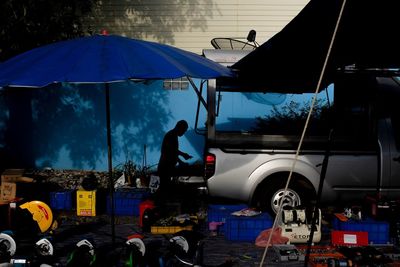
{"points": [[64, 127]]}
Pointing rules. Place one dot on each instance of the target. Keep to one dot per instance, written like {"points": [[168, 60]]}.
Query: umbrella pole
{"points": [[110, 171]]}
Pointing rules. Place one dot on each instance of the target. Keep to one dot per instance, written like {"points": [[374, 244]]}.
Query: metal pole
{"points": [[110, 171], [315, 213]]}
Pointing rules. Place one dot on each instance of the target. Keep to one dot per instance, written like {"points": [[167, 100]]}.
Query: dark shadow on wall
{"points": [[148, 111], [38, 123], [158, 19]]}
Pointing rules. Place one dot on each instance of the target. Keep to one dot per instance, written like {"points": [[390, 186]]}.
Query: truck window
{"points": [[272, 114]]}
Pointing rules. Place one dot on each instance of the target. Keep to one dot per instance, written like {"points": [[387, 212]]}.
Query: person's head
{"points": [[181, 127]]}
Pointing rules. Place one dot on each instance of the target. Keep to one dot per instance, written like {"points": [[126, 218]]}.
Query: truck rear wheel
{"points": [[271, 192]]}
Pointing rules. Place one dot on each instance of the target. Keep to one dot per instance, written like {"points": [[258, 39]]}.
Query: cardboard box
{"points": [[11, 175], [8, 191], [86, 203]]}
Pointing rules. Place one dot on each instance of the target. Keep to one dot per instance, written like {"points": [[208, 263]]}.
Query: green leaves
{"points": [[27, 24]]}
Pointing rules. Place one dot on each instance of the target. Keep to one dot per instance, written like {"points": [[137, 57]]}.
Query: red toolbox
{"points": [[349, 238]]}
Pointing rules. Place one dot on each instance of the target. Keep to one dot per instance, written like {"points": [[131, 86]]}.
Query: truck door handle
{"points": [[397, 159]]}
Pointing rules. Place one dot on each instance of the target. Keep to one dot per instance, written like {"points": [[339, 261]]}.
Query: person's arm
{"points": [[184, 155]]}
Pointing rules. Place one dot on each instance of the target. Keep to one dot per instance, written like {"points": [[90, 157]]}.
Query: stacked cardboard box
{"points": [[9, 180], [8, 183]]}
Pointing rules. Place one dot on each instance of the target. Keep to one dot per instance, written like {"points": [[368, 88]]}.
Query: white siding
{"points": [[191, 24]]}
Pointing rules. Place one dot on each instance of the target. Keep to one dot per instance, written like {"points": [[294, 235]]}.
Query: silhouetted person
{"points": [[170, 157]]}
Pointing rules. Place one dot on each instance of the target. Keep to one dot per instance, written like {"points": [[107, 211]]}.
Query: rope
{"points": [[278, 214]]}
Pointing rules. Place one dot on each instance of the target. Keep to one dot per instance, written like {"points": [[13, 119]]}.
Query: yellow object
{"points": [[41, 213], [169, 229], [86, 203]]}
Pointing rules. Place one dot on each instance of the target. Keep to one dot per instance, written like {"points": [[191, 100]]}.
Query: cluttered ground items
{"points": [[27, 242], [158, 220], [331, 256], [349, 238], [286, 253], [41, 255], [70, 228]]}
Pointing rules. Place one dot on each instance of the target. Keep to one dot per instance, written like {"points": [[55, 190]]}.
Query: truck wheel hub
{"points": [[291, 199]]}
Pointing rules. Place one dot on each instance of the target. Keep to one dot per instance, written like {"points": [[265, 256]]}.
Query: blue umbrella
{"points": [[105, 59]]}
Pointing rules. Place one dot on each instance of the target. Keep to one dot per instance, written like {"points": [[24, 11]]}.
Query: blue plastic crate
{"points": [[61, 200], [378, 231], [242, 228], [218, 213], [127, 202]]}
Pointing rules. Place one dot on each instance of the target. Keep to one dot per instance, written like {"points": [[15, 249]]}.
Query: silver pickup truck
{"points": [[250, 160]]}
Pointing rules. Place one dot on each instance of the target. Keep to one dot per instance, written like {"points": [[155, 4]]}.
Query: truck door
{"points": [[391, 182], [389, 136]]}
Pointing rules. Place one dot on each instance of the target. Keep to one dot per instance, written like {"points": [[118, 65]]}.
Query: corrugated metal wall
{"points": [[191, 24]]}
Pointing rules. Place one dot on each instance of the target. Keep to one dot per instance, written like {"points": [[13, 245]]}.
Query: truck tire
{"points": [[271, 191]]}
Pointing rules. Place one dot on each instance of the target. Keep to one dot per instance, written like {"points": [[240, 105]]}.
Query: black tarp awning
{"points": [[292, 60]]}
